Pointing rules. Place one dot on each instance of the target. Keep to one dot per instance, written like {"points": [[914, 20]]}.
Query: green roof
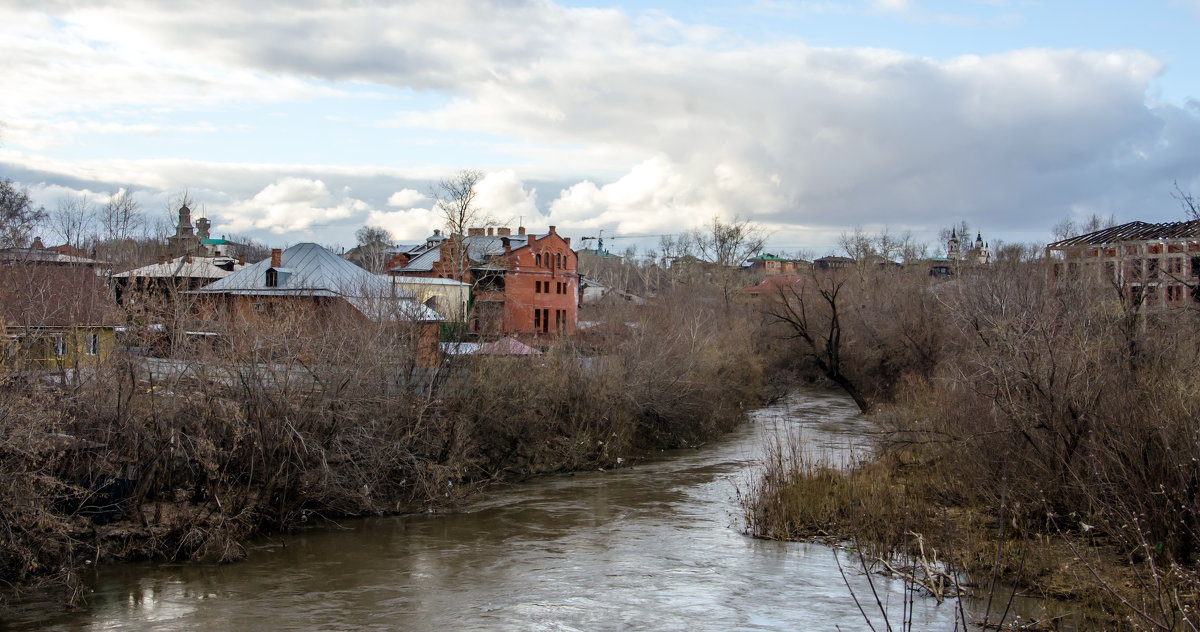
{"points": [[217, 242], [768, 257]]}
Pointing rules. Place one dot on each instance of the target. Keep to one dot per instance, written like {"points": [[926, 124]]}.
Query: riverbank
{"points": [[1035, 430], [115, 465], [659, 546]]}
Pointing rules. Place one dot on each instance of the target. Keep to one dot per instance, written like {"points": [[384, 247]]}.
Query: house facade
{"points": [[521, 283], [770, 264], [55, 318], [1152, 264]]}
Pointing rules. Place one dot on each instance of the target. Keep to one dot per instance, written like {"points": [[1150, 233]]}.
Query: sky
{"points": [[305, 120]]}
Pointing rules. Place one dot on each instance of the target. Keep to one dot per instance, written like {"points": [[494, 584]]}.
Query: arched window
{"points": [[537, 259]]}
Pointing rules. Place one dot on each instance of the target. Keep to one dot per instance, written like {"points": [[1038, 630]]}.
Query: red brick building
{"points": [[520, 283], [1156, 265]]}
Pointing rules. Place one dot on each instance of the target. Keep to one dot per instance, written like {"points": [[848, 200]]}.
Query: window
{"points": [[537, 260], [272, 277], [91, 344], [537, 319], [60, 346], [1174, 292]]}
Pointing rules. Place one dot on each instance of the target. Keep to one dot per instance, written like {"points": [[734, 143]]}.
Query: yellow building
{"points": [[55, 318], [448, 297]]}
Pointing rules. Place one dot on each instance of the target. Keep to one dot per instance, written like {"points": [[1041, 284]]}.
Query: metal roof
{"points": [[413, 280], [315, 271], [45, 255], [180, 267], [1133, 231], [479, 249]]}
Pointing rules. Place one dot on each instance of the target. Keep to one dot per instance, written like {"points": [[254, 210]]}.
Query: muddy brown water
{"points": [[659, 546]]}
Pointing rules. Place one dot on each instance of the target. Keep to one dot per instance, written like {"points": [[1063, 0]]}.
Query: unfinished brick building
{"points": [[520, 283], [1153, 264]]}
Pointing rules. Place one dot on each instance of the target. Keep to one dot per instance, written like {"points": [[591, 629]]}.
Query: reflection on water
{"points": [[654, 547]]}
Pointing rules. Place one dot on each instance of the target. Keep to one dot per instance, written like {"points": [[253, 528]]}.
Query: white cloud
{"points": [[503, 199], [290, 205], [407, 226], [654, 125], [406, 197]]}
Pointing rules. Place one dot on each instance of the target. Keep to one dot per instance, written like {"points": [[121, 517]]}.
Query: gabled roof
{"points": [[186, 267], [414, 280], [479, 249], [213, 241], [835, 258], [46, 256], [309, 270], [1133, 231]]}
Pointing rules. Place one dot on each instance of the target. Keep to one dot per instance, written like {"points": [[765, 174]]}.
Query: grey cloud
{"points": [[785, 133]]}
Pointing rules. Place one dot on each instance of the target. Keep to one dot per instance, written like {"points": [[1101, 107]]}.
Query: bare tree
{"points": [[454, 198], [371, 252], [121, 216], [814, 311], [18, 215], [1068, 227], [72, 220], [729, 245], [1191, 207]]}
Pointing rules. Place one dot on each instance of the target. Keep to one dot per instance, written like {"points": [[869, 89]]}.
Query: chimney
{"points": [[471, 232], [276, 257], [491, 232], [504, 231], [187, 258], [242, 260], [567, 240], [552, 231], [520, 230]]}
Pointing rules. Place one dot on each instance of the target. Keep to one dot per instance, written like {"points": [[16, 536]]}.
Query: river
{"points": [[658, 546]]}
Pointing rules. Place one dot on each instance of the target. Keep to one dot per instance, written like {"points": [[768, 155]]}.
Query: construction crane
{"points": [[600, 238]]}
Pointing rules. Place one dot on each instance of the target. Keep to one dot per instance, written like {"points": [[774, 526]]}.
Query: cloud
{"points": [[503, 199], [290, 205], [407, 226], [406, 197], [890, 6], [651, 124]]}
